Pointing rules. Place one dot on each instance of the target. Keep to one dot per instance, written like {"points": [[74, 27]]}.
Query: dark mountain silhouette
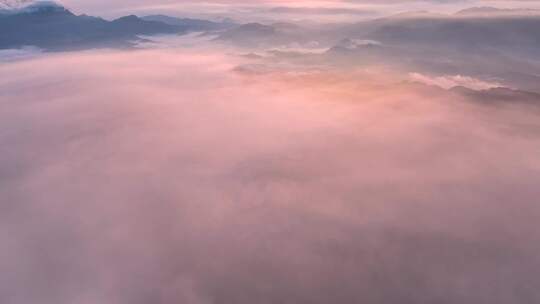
{"points": [[250, 34], [256, 34], [191, 24], [53, 27], [493, 11], [514, 33], [250, 29], [498, 96]]}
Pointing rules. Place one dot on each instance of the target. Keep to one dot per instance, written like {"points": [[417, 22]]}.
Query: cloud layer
{"points": [[167, 176]]}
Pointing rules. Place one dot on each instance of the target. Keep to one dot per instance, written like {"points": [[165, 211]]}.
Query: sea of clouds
{"points": [[171, 176]]}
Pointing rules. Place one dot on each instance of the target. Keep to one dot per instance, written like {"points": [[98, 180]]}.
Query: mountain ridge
{"points": [[50, 26]]}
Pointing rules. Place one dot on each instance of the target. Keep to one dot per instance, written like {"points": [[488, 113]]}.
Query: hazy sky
{"points": [[113, 8]]}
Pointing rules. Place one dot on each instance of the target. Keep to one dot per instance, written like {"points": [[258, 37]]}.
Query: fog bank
{"points": [[168, 176]]}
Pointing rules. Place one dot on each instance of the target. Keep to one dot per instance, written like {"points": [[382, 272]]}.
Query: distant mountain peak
{"points": [[493, 11], [416, 14], [480, 9], [255, 26], [129, 18], [189, 23]]}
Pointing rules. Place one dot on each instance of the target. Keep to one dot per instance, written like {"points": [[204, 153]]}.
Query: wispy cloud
{"points": [[451, 81]]}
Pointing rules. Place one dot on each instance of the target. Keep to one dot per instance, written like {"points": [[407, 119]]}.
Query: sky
{"points": [[230, 7]]}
